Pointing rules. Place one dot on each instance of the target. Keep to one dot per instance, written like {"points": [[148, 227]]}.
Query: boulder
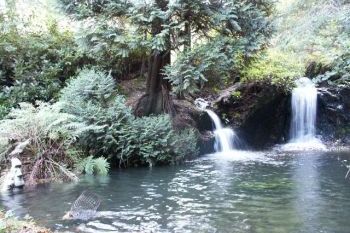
{"points": [[189, 116]]}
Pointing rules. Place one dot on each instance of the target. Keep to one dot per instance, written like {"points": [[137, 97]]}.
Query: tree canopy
{"points": [[235, 30]]}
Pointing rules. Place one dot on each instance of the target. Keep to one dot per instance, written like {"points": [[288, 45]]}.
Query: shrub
{"points": [[213, 61], [277, 67], [46, 135], [91, 165], [339, 73], [35, 65], [113, 130]]}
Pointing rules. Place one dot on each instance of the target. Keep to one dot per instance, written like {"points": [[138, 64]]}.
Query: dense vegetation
{"points": [[236, 31], [68, 80], [310, 36]]}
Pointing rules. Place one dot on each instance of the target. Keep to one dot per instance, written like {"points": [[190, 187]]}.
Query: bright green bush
{"points": [[276, 67]]}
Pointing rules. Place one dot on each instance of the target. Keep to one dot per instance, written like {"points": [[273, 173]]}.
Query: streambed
{"points": [[260, 192]]}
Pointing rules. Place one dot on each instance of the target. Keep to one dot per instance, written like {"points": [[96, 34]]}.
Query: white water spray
{"points": [[303, 125], [304, 105], [224, 137]]}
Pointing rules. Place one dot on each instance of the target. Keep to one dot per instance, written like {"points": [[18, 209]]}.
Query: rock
{"points": [[333, 118], [189, 116], [259, 112]]}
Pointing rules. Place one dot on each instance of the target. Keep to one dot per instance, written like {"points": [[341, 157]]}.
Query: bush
{"points": [[277, 67], [91, 165], [339, 73], [214, 61], [34, 66], [113, 130], [45, 135]]}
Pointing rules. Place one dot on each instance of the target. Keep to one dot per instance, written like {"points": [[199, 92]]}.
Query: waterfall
{"points": [[304, 105], [224, 137], [303, 124]]}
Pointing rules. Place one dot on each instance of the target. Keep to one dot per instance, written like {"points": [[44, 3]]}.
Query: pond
{"points": [[245, 192]]}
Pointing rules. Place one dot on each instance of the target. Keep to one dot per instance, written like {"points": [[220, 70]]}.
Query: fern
{"points": [[101, 166], [114, 131], [91, 166]]}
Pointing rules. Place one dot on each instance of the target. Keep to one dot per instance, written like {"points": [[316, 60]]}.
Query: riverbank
{"points": [[10, 224]]}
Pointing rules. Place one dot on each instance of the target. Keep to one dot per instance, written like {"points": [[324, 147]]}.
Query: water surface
{"points": [[262, 192]]}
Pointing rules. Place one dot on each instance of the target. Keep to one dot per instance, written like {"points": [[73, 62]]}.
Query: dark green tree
{"points": [[160, 27]]}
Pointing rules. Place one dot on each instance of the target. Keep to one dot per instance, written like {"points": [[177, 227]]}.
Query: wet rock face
{"points": [[189, 116], [259, 112], [333, 118]]}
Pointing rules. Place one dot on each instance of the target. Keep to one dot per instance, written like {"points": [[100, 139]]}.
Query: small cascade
{"points": [[303, 124], [224, 137]]}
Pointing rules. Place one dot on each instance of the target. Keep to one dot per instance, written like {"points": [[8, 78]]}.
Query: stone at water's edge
{"points": [[259, 112], [333, 118], [189, 116]]}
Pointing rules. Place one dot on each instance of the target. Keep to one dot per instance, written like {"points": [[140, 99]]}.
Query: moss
{"points": [[236, 95]]}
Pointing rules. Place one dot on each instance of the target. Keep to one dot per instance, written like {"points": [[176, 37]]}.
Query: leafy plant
{"points": [[155, 29], [215, 61], [113, 130], [35, 65], [91, 166], [339, 73], [44, 134]]}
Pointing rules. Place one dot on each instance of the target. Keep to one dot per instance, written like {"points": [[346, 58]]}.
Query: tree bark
{"points": [[156, 99]]}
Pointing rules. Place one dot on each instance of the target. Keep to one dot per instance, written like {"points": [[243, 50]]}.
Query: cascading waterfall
{"points": [[303, 125], [304, 105], [224, 137]]}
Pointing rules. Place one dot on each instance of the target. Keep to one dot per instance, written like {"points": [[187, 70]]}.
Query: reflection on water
{"points": [[256, 193]]}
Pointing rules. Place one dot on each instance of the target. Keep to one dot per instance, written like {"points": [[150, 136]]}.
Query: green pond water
{"points": [[243, 192]]}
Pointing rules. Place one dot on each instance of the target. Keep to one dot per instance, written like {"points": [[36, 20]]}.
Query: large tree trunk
{"points": [[157, 99]]}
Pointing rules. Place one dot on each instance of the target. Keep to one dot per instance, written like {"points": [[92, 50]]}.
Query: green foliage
{"points": [[113, 130], [221, 34], [276, 67], [215, 60], [339, 73], [110, 48], [315, 29], [184, 143], [236, 95], [9, 223], [39, 124], [91, 166], [34, 66], [47, 134], [91, 89], [309, 30]]}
